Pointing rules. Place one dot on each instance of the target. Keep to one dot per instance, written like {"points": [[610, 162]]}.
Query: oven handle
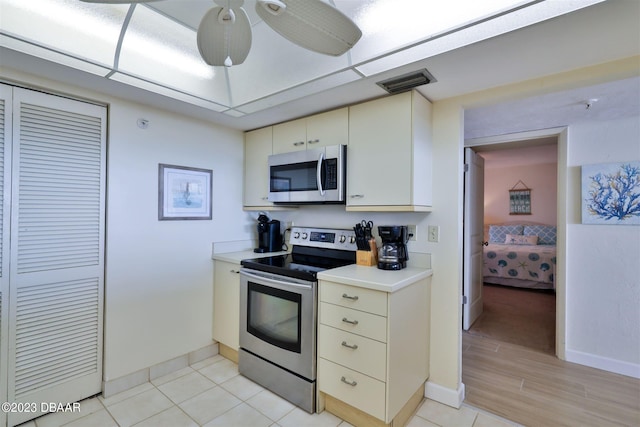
{"points": [[282, 282]]}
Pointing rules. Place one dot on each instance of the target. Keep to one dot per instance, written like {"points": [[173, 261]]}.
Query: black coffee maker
{"points": [[269, 237], [393, 253]]}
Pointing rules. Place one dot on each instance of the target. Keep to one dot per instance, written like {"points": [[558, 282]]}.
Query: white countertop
{"points": [[374, 278], [236, 257], [355, 275]]}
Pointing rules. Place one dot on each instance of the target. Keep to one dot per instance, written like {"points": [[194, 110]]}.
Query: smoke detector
{"points": [[407, 81]]}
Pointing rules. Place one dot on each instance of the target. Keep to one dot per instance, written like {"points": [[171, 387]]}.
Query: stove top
{"points": [[313, 250]]}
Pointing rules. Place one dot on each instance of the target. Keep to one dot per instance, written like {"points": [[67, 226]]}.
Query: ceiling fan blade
{"points": [[220, 38], [312, 24]]}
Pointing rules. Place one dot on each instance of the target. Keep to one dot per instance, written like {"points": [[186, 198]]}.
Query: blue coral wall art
{"points": [[611, 193]]}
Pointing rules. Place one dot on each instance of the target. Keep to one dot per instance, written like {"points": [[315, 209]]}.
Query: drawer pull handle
{"points": [[234, 271], [352, 322], [313, 141], [351, 383], [353, 347], [352, 298], [299, 143]]}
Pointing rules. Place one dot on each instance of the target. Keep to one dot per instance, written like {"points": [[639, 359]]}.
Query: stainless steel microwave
{"points": [[316, 175]]}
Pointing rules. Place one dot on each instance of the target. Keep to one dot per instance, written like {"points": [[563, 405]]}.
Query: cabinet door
{"points": [[380, 152], [330, 128], [257, 148], [226, 304], [290, 136]]}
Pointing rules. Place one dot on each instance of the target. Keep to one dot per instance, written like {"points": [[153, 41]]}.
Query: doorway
{"points": [[531, 138], [518, 295]]}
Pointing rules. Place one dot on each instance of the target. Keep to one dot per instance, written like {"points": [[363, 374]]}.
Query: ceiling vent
{"points": [[407, 82]]}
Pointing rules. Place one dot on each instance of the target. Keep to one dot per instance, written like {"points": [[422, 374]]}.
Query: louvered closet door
{"points": [[5, 206], [57, 250]]}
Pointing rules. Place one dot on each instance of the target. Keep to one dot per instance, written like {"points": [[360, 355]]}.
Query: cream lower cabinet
{"points": [[373, 351], [226, 307]]}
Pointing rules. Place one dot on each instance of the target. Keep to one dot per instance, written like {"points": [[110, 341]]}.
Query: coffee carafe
{"points": [[269, 237], [393, 253]]}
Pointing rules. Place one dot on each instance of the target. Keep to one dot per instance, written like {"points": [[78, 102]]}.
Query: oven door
{"points": [[278, 320]]}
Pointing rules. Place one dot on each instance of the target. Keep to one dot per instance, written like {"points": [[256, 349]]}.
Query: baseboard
{"points": [[444, 395], [604, 363], [118, 385]]}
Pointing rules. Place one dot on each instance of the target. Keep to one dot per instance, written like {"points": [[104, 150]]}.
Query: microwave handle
{"points": [[319, 174]]}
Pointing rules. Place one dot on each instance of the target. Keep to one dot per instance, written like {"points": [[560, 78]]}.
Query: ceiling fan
{"points": [[224, 34]]}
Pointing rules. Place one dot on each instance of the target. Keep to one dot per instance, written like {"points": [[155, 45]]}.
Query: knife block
{"points": [[368, 258]]}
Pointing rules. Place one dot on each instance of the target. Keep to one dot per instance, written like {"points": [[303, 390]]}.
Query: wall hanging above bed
{"points": [[520, 199]]}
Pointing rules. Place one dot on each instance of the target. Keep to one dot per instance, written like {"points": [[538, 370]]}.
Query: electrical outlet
{"points": [[434, 233], [413, 232]]}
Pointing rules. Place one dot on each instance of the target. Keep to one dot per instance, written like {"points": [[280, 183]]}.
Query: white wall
{"points": [[603, 272], [541, 178], [159, 273]]}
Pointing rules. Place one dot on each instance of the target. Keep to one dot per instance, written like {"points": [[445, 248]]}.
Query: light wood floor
{"points": [[537, 389]]}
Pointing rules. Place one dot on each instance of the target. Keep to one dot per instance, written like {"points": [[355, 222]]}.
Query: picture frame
{"points": [[184, 193], [611, 193], [520, 200]]}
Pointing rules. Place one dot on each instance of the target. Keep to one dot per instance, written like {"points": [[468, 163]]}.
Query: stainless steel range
{"points": [[278, 310]]}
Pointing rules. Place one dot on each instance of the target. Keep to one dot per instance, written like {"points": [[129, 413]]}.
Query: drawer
{"points": [[363, 392], [353, 351], [361, 323], [354, 297]]}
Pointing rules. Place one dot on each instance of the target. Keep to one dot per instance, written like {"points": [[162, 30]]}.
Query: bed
{"points": [[520, 255]]}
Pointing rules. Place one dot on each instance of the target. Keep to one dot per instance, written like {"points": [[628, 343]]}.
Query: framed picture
{"points": [[611, 193], [183, 193], [520, 202]]}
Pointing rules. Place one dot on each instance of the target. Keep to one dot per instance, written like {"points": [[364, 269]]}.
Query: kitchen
{"points": [[159, 284]]}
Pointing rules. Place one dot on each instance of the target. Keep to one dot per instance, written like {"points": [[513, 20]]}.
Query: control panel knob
{"points": [[343, 238], [352, 239], [296, 235], [304, 236]]}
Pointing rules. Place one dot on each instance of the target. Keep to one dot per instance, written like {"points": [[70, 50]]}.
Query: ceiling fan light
{"points": [[221, 44], [274, 7]]}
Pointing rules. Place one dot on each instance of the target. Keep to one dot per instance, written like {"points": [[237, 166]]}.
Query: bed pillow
{"points": [[498, 233], [518, 239], [546, 233]]}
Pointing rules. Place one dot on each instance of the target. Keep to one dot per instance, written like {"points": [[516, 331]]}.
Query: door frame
{"points": [[561, 134]]}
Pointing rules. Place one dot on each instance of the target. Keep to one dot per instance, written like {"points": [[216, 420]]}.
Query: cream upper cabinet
{"points": [[257, 148], [389, 162], [329, 128]]}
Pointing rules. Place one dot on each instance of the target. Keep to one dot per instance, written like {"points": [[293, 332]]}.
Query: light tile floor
{"points": [[212, 393]]}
